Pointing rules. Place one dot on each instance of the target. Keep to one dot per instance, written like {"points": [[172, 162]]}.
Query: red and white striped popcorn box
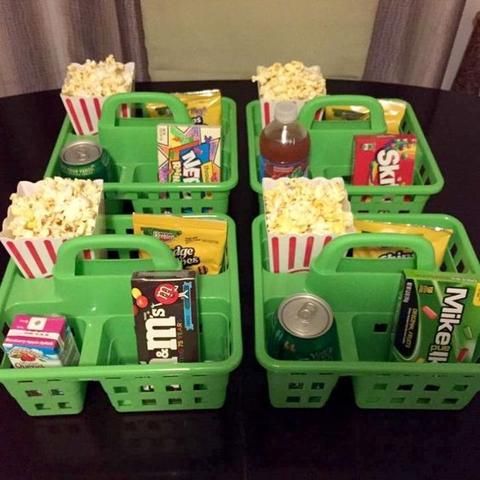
{"points": [[35, 257], [85, 112], [289, 253]]}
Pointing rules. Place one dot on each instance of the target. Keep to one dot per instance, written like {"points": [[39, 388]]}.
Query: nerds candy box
{"points": [[438, 318], [166, 320]]}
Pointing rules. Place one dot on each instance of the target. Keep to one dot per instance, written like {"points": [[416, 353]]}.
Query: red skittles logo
{"points": [[166, 293]]}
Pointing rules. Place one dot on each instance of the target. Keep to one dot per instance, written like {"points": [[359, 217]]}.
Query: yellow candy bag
{"points": [[438, 237], [204, 107], [393, 110], [198, 243]]}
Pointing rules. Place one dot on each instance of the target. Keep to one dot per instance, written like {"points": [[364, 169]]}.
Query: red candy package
{"points": [[384, 159]]}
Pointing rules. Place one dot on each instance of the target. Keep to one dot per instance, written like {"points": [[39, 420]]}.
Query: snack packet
{"points": [[204, 107], [438, 237], [393, 110], [198, 243]]}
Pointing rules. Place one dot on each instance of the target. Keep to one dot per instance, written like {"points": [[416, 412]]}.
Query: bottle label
{"points": [[274, 170]]}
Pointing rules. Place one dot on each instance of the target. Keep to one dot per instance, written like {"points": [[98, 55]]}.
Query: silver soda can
{"points": [[85, 159], [305, 329]]}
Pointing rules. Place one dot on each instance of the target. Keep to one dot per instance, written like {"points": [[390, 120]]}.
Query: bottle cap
{"points": [[285, 112]]}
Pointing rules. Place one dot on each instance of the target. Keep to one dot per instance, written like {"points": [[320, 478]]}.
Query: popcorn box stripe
{"points": [[274, 261], [18, 259], [98, 107], [292, 247], [73, 115], [51, 250], [308, 252], [36, 257], [86, 113]]}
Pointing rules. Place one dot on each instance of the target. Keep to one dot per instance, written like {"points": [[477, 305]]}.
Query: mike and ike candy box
{"points": [[384, 160], [438, 318], [166, 318]]}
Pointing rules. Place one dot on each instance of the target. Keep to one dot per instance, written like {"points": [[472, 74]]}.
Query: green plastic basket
{"points": [[131, 144], [95, 297], [362, 293], [332, 150]]}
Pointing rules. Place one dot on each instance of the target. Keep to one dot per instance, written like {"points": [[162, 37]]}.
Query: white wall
{"points": [[461, 40]]}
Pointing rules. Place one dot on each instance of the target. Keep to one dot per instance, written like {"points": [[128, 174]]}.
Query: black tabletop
{"points": [[248, 438]]}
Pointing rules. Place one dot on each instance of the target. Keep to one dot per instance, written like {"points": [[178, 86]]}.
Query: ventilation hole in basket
{"points": [[443, 267], [173, 388], [422, 170], [460, 266], [404, 211], [124, 403], [450, 401], [314, 399], [406, 387], [41, 406], [423, 400], [64, 405], [33, 393], [387, 199], [297, 374], [186, 210], [166, 210], [293, 399], [149, 401], [129, 231], [25, 381], [120, 389], [199, 386], [453, 249], [113, 254], [147, 388], [174, 401], [380, 327], [135, 254], [432, 388], [198, 399], [372, 400], [380, 386], [318, 385], [362, 211], [459, 388], [207, 210], [295, 386], [366, 198], [408, 198], [397, 400], [147, 210]]}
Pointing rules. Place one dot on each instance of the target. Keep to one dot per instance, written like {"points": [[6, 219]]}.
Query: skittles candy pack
{"points": [[166, 320], [384, 159]]}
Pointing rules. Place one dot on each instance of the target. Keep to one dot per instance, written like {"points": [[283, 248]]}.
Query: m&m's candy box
{"points": [[384, 159], [166, 318]]}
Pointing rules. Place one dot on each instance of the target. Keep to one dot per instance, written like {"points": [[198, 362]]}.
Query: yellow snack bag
{"points": [[438, 237], [199, 243], [204, 107], [393, 111]]}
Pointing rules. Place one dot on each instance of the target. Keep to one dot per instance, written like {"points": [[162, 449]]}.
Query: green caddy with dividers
{"points": [[362, 293], [332, 149], [95, 297], [131, 144]]}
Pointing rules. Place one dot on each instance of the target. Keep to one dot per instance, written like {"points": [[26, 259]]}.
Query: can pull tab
{"points": [[307, 311]]}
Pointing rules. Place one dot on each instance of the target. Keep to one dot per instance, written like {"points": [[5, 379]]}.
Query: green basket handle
{"points": [[162, 256], [377, 118], [329, 258], [111, 104]]}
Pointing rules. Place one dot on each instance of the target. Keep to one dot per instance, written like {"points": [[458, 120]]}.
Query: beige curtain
{"points": [[38, 39], [412, 41]]}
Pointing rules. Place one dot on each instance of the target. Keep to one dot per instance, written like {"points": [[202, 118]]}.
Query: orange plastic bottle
{"points": [[284, 145]]}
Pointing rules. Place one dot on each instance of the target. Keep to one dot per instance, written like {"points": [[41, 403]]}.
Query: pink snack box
{"points": [[39, 342]]}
